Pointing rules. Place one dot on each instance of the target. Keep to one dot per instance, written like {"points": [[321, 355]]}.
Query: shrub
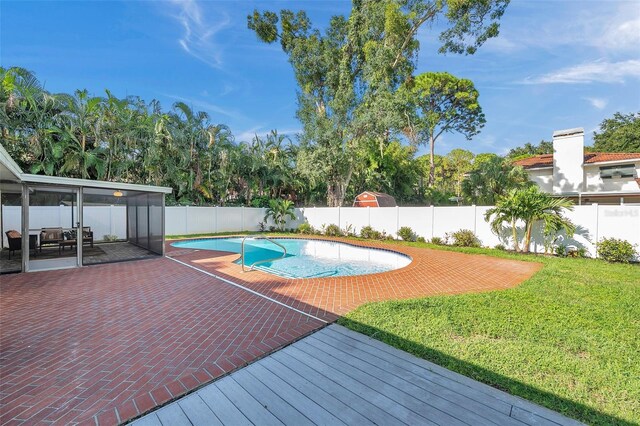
{"points": [[465, 238], [421, 240], [333, 231], [560, 250], [407, 234], [110, 237], [577, 252], [306, 228], [262, 226], [500, 247], [370, 233], [437, 241], [615, 250], [349, 231]]}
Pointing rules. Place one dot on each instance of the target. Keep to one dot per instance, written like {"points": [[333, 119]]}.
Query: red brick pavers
{"points": [[107, 343], [431, 272]]}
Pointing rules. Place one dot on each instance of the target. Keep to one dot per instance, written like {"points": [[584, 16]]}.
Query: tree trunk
{"points": [[527, 237], [432, 166], [514, 231]]}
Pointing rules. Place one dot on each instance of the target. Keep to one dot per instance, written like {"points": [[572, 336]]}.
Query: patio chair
{"points": [[15, 242], [51, 237], [87, 235]]}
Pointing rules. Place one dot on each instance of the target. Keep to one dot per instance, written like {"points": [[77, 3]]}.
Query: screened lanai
{"points": [[75, 222]]}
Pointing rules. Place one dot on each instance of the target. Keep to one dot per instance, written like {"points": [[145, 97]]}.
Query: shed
{"points": [[374, 199]]}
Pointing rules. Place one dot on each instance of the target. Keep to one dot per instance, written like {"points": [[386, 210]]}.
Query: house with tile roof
{"points": [[585, 177]]}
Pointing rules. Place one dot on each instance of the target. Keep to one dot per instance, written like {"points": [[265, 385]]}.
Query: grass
{"points": [[568, 338]]}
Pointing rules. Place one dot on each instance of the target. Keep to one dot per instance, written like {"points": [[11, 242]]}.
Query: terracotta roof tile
{"points": [[546, 160]]}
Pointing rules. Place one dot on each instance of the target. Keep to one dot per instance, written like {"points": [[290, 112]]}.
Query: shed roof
{"points": [[384, 200]]}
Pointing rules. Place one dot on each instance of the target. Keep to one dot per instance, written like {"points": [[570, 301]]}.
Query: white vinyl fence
{"points": [[594, 222]]}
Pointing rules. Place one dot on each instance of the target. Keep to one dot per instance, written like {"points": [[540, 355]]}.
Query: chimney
{"points": [[568, 156]]}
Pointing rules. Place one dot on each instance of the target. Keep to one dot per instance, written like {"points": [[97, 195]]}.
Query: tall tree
{"points": [[348, 76], [529, 150], [492, 177], [445, 104], [620, 133]]}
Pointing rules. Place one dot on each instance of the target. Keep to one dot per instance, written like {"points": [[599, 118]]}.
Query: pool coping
{"points": [[298, 237]]}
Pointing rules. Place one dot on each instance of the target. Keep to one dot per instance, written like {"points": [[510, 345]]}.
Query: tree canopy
{"points": [[348, 76], [620, 133]]}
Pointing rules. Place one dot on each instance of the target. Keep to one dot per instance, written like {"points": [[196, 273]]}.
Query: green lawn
{"points": [[568, 338]]}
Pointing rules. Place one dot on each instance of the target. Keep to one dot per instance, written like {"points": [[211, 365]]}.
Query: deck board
{"points": [[337, 376]]}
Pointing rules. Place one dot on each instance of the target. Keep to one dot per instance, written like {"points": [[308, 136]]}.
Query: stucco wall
{"points": [[593, 182]]}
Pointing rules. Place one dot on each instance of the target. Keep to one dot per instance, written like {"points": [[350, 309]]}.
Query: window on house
{"points": [[617, 172]]}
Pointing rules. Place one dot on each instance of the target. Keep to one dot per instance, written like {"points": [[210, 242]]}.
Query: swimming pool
{"points": [[306, 258]]}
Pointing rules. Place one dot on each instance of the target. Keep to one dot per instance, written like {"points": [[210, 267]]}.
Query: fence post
{"points": [[397, 221], [368, 216], [186, 220], [339, 221], [241, 218], [475, 219], [215, 219], [597, 232], [433, 219]]}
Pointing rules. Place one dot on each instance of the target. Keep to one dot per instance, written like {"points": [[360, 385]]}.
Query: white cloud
{"points": [[198, 37], [207, 107], [591, 72], [598, 103]]}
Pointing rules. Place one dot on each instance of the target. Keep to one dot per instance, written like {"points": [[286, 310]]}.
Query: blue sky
{"points": [[555, 65]]}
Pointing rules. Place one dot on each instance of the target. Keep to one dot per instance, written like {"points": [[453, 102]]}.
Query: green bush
{"points": [[333, 231], [437, 241], [464, 238], [560, 250], [615, 250], [500, 247], [349, 231], [369, 233], [580, 252], [306, 228], [407, 234], [421, 240]]}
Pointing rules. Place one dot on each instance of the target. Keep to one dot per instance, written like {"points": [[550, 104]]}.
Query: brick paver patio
{"points": [[107, 343], [114, 341]]}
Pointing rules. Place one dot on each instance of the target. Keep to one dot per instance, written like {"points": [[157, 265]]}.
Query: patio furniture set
{"points": [[56, 237]]}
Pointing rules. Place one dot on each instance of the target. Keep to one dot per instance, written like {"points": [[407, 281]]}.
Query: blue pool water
{"points": [[306, 258]]}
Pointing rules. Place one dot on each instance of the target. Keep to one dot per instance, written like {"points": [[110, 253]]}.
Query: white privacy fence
{"points": [[103, 220], [594, 222]]}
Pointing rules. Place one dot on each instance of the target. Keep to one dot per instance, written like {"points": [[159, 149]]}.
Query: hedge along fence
{"points": [[594, 222]]}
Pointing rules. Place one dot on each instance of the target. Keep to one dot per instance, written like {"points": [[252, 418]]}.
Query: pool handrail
{"points": [[260, 237]]}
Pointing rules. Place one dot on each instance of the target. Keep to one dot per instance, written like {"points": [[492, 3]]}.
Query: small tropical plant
{"points": [[279, 211], [110, 237], [464, 238], [349, 231], [437, 241], [421, 240], [369, 233], [333, 230], [407, 234], [530, 205], [306, 229], [615, 250], [500, 247]]}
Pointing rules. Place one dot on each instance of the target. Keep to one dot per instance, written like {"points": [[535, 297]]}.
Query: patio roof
{"points": [[8, 165]]}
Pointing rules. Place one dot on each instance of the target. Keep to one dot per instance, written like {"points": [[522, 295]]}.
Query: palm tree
{"points": [[280, 210], [530, 205]]}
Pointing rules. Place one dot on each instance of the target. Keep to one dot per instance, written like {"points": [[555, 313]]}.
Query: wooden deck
{"points": [[336, 376]]}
